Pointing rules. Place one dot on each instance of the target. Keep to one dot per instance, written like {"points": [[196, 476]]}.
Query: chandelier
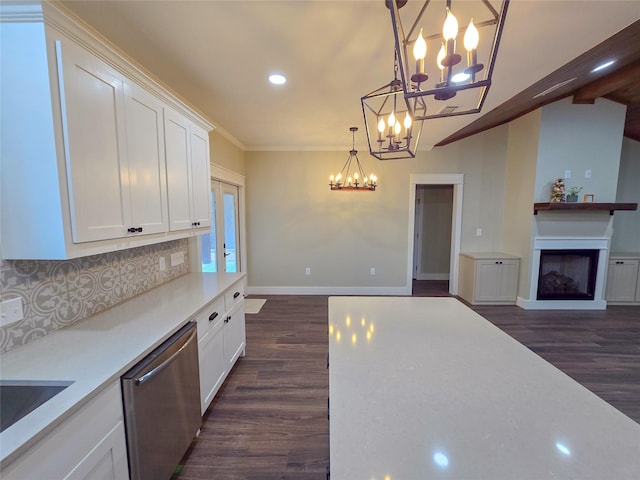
{"points": [[447, 85], [355, 181], [388, 119]]}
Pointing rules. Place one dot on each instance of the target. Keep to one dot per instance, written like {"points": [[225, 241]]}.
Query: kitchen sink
{"points": [[20, 397]]}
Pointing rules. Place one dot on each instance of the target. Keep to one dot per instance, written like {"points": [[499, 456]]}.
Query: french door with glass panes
{"points": [[221, 247]]}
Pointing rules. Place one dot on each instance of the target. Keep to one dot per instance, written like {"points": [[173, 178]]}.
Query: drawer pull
{"points": [[213, 316], [236, 295]]}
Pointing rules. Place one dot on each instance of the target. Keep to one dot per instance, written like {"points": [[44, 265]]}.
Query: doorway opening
{"points": [[433, 239]]}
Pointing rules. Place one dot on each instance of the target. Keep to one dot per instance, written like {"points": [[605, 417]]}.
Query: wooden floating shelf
{"points": [[573, 206]]}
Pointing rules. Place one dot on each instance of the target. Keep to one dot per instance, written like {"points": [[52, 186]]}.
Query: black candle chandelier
{"points": [[353, 180], [447, 87], [392, 132]]}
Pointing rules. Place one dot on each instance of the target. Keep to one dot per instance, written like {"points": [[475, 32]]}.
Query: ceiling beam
{"points": [[619, 79]]}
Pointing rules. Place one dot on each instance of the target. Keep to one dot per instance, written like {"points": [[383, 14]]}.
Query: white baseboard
{"points": [[433, 276], [377, 291], [561, 304]]}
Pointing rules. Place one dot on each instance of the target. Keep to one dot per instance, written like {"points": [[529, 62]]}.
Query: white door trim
{"points": [[457, 180], [228, 176]]}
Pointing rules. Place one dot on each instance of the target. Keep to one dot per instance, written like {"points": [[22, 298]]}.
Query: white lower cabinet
{"points": [[221, 340], [89, 445], [623, 280], [489, 278]]}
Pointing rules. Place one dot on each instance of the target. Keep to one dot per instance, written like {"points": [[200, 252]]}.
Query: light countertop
{"points": [[96, 351], [425, 388]]}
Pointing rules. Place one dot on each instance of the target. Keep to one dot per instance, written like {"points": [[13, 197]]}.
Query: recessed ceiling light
{"points": [[277, 79], [603, 66]]}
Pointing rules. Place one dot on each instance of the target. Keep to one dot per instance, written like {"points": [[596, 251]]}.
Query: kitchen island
{"points": [[425, 388]]}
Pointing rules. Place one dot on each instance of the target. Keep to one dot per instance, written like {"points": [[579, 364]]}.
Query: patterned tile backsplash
{"points": [[57, 293]]}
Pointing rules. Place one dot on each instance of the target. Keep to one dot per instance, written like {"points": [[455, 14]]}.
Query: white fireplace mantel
{"points": [[568, 243]]}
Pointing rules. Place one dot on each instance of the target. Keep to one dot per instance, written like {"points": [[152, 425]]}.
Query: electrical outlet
{"points": [[307, 271], [478, 232], [11, 311], [177, 258], [587, 174], [372, 271], [162, 264], [567, 174]]}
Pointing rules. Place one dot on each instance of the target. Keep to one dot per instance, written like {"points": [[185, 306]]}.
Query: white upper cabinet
{"points": [[93, 121], [188, 172], [146, 161], [200, 177], [88, 166]]}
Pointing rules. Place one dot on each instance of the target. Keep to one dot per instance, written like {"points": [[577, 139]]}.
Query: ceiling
{"points": [[217, 55]]}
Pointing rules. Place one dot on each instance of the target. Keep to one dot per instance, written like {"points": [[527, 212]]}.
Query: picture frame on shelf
{"points": [[588, 198]]}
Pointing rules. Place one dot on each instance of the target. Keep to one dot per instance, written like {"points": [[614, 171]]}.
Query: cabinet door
{"points": [[234, 336], [212, 362], [621, 280], [92, 102], [201, 177], [507, 287], [178, 160], [486, 287], [146, 161]]}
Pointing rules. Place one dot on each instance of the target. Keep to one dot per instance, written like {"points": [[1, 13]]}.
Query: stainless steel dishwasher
{"points": [[161, 396]]}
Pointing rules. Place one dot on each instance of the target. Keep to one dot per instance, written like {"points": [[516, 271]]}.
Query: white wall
{"points": [[580, 138], [295, 221], [626, 224]]}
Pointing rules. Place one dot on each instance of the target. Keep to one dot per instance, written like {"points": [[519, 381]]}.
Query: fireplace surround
{"points": [[570, 245]]}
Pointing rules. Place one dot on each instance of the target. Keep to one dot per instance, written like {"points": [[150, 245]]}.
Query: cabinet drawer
{"points": [[210, 317], [234, 295]]}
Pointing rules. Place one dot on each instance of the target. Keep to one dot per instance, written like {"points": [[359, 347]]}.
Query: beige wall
{"points": [[225, 153], [522, 155], [295, 221]]}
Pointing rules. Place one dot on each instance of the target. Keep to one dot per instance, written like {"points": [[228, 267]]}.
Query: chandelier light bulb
{"points": [[392, 120], [397, 128], [381, 125], [420, 47], [441, 54], [450, 28], [407, 121], [471, 37], [331, 179]]}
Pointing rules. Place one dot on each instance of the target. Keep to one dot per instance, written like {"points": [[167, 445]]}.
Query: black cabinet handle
{"points": [[139, 229], [213, 316], [226, 320], [131, 230], [236, 295]]}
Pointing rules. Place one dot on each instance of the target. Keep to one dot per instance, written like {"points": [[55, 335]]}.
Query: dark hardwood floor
{"points": [[269, 421]]}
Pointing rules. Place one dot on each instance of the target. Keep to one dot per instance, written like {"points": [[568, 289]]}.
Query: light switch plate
{"points": [[177, 258], [11, 311], [162, 264]]}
